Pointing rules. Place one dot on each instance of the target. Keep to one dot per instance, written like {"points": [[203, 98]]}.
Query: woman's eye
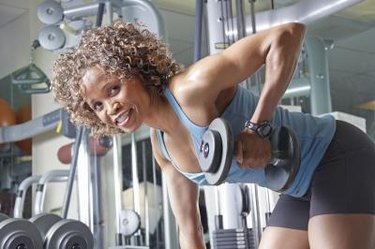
{"points": [[114, 90], [97, 106]]}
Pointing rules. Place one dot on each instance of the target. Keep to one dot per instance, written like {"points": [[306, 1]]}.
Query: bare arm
{"points": [[278, 48], [183, 197]]}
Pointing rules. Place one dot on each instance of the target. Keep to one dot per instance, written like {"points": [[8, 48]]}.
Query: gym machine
{"points": [[136, 217]]}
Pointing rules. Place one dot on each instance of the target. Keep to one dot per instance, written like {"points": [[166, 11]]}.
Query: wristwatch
{"points": [[263, 129]]}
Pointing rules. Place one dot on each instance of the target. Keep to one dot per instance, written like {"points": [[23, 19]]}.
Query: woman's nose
{"points": [[113, 108]]}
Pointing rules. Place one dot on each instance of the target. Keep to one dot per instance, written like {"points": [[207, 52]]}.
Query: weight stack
{"points": [[233, 239]]}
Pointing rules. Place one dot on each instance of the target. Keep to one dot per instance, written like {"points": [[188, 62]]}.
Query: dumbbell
{"points": [[217, 148], [62, 233], [16, 233]]}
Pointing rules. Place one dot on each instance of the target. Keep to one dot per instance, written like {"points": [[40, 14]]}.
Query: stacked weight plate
{"points": [[16, 233], [233, 239]]}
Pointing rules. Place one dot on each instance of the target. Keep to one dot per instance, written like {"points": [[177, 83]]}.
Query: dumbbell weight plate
{"points": [[222, 128], [19, 233], [69, 234], [44, 222], [210, 151], [280, 177]]}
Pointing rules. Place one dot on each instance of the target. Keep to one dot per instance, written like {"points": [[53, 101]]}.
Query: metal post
{"points": [[97, 203], [135, 180], [117, 173], [215, 20], [241, 28], [72, 173], [154, 184], [255, 214], [320, 97], [198, 29], [145, 200], [84, 183]]}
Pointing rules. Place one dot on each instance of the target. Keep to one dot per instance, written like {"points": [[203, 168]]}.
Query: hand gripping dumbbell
{"points": [[16, 233], [63, 233], [217, 148]]}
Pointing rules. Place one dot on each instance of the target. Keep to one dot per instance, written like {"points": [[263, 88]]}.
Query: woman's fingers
{"points": [[252, 151]]}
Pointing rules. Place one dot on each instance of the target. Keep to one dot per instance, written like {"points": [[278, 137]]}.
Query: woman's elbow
{"points": [[295, 30], [289, 35]]}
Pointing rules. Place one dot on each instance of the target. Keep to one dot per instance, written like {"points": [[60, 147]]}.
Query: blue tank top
{"points": [[313, 134]]}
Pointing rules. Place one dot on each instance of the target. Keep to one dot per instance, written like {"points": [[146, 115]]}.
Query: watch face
{"points": [[264, 130]]}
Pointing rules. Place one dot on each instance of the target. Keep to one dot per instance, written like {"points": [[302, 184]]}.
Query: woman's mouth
{"points": [[124, 118]]}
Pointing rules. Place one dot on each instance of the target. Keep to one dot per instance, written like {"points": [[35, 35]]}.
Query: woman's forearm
{"points": [[281, 61]]}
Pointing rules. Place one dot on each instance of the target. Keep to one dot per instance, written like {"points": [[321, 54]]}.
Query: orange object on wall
{"points": [[64, 154], [7, 116]]}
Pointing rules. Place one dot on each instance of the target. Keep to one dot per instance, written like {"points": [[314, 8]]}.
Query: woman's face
{"points": [[122, 104]]}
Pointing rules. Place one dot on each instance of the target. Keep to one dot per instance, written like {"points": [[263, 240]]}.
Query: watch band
{"points": [[263, 129]]}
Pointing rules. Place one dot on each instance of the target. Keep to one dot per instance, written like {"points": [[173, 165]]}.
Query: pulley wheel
{"points": [[222, 128], [130, 222], [69, 234], [18, 233], [50, 12], [51, 37]]}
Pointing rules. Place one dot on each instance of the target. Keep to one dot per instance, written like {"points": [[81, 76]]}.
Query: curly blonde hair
{"points": [[122, 49]]}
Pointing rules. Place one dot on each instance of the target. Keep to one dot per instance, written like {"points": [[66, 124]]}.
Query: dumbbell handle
{"points": [[278, 146]]}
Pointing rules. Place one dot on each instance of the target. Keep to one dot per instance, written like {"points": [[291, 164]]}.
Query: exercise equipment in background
{"points": [[130, 222], [31, 79], [57, 232]]}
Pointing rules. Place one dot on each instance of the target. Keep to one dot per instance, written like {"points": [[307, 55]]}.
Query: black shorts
{"points": [[344, 182]]}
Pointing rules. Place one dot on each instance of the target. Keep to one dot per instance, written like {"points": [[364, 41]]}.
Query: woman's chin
{"points": [[131, 128]]}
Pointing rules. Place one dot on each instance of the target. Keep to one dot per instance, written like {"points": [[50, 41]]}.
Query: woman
{"points": [[121, 77]]}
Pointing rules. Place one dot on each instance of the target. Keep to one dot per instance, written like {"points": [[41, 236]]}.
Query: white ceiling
{"points": [[9, 13], [351, 62]]}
